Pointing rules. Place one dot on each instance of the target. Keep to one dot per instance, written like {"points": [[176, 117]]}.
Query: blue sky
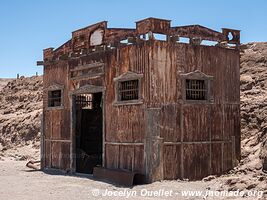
{"points": [[29, 26]]}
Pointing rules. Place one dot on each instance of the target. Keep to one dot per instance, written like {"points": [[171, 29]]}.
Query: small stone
{"points": [[208, 178]]}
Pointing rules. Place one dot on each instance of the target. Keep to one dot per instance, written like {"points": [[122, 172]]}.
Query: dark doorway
{"points": [[89, 137]]}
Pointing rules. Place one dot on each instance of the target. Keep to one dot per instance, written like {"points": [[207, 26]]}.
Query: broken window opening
{"points": [[184, 40], [54, 98], [209, 43], [144, 37], [230, 36], [161, 37], [196, 89], [128, 90], [124, 41]]}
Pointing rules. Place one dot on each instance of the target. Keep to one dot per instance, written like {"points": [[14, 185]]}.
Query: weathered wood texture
{"points": [[57, 121], [191, 140]]}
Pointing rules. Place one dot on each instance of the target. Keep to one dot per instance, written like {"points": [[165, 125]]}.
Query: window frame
{"points": [[51, 89], [198, 75], [128, 76], [204, 89]]}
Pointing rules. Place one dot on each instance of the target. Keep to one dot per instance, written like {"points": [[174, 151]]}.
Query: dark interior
{"points": [[88, 132]]}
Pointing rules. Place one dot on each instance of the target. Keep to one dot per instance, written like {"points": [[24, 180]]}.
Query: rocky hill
{"points": [[20, 113], [4, 82], [254, 100]]}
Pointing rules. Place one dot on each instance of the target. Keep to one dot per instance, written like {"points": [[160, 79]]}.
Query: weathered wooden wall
{"points": [[165, 137], [57, 122], [198, 137], [125, 125]]}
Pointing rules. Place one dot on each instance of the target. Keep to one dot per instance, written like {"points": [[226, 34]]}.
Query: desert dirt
{"points": [[20, 114], [20, 182]]}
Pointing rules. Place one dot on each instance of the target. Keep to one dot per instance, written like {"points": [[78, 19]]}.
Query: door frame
{"points": [[87, 89]]}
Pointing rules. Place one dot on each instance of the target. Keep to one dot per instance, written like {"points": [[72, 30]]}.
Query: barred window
{"points": [[196, 89], [128, 90], [54, 98], [84, 101]]}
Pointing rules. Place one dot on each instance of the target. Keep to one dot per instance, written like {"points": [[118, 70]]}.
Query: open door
{"points": [[89, 137]]}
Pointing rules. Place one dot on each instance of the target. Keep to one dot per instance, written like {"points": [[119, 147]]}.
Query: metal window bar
{"points": [[128, 90], [196, 90], [54, 98], [84, 101]]}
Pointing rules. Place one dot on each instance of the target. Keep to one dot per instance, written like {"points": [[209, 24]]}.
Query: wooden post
{"points": [[42, 156], [153, 146]]}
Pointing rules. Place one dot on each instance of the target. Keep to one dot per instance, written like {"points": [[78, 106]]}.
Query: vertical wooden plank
{"points": [[171, 162], [196, 122], [153, 146], [56, 154], [112, 156], [48, 154], [216, 159], [139, 162], [56, 124], [227, 156], [196, 161], [126, 159], [65, 156]]}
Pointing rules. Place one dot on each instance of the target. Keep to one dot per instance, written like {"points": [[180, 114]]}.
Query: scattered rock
{"points": [[208, 178]]}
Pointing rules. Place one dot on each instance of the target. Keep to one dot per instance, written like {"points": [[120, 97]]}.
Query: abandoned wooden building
{"points": [[156, 100]]}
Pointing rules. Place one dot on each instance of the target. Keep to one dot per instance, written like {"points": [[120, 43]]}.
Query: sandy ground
{"points": [[17, 182]]}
